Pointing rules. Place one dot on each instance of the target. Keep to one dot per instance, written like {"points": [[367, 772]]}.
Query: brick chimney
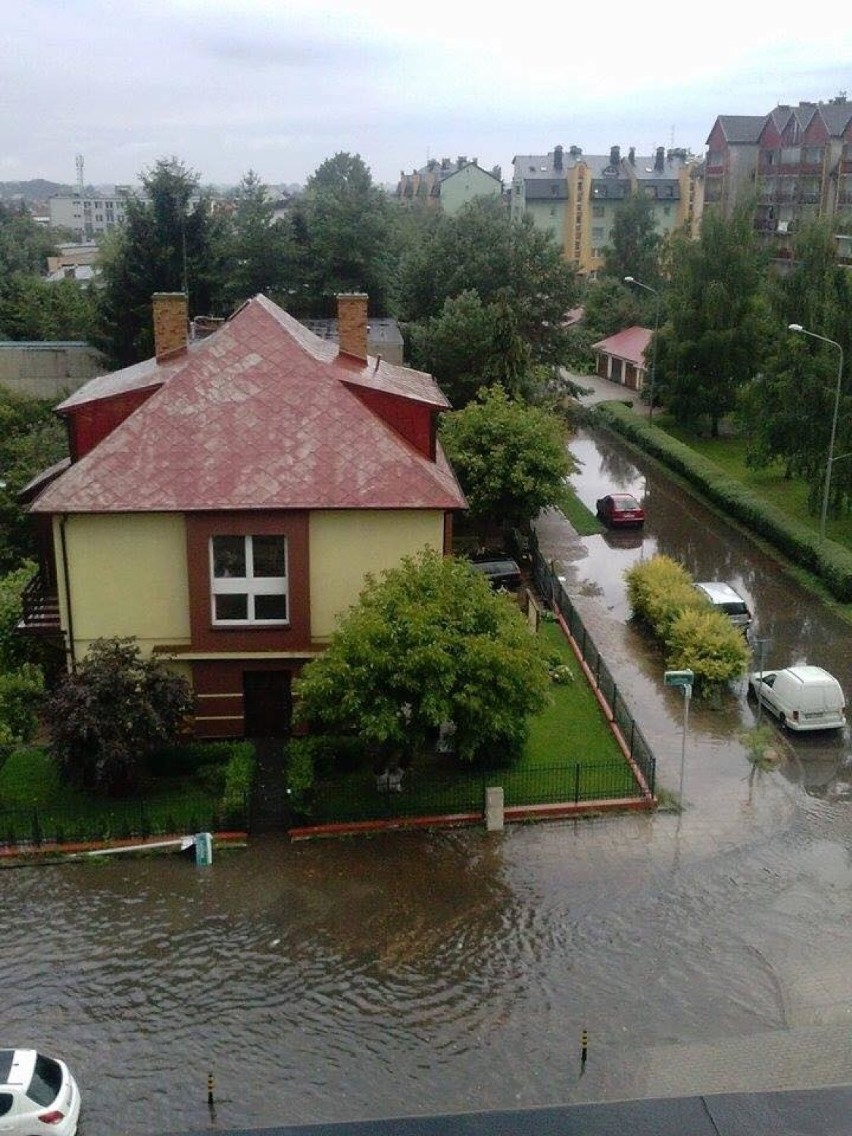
{"points": [[352, 324], [660, 159], [171, 327]]}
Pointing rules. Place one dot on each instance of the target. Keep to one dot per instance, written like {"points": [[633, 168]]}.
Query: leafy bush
{"points": [[188, 758], [239, 778], [696, 637], [659, 589], [826, 560], [107, 720], [706, 643], [21, 693]]}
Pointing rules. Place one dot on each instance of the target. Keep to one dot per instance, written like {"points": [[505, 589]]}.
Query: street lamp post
{"points": [[825, 494], [653, 291]]}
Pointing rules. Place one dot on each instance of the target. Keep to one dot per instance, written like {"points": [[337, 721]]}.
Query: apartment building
{"points": [[796, 163], [88, 217], [449, 185], [575, 196]]}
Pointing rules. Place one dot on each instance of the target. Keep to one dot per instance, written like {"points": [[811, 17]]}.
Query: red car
{"points": [[620, 509]]}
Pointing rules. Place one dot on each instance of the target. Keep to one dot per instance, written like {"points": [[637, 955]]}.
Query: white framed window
{"points": [[248, 580]]}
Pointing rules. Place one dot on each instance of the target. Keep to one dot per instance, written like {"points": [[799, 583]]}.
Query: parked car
{"points": [[38, 1095], [501, 571], [802, 697], [620, 509], [727, 600]]}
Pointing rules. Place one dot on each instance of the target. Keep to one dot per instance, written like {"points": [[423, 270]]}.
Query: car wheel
{"points": [[782, 721]]}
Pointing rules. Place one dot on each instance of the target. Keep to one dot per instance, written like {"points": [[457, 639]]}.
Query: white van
{"points": [[729, 602], [802, 698]]}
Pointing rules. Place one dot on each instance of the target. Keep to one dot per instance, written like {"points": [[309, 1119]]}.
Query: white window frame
{"points": [[249, 585]]}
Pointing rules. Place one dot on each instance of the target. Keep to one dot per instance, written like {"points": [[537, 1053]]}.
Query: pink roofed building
{"points": [[621, 357], [225, 500]]}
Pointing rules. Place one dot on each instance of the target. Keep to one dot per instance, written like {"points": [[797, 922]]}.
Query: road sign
{"points": [[679, 678]]}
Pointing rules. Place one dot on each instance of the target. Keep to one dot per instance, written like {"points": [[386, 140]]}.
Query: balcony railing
{"points": [[39, 608]]}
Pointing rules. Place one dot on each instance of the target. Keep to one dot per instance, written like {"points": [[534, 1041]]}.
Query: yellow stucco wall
{"points": [[346, 545], [128, 577]]}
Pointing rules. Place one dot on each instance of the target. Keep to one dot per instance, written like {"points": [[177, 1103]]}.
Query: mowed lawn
{"points": [[788, 494], [33, 801]]}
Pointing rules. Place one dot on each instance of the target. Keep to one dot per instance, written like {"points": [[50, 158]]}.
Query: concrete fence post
{"points": [[494, 808]]}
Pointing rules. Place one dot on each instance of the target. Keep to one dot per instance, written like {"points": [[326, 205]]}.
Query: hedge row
{"points": [[828, 561]]}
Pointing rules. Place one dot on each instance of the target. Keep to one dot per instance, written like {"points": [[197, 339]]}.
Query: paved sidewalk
{"points": [[818, 1112]]}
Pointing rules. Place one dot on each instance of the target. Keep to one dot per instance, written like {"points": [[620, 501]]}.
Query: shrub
{"points": [[239, 778], [188, 758], [21, 693], [659, 589], [108, 719], [706, 643], [696, 636]]}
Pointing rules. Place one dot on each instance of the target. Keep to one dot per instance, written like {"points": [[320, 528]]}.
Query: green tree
{"points": [[511, 459], [33, 309], [470, 345], [24, 244], [108, 718], [31, 439], [718, 319], [21, 679], [341, 226], [610, 305], [171, 241], [428, 642], [479, 249], [636, 244], [787, 408], [260, 249]]}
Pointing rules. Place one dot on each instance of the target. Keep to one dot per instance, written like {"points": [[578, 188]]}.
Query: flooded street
{"points": [[455, 971]]}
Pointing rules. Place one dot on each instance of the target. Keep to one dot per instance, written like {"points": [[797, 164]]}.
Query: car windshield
{"points": [[734, 608], [46, 1081]]}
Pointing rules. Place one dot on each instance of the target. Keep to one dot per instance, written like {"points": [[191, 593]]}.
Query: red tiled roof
{"points": [[259, 415], [630, 344]]}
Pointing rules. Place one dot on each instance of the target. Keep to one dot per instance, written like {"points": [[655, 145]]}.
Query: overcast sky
{"points": [[277, 86]]}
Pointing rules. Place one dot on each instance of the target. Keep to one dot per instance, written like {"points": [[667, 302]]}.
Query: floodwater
{"points": [[452, 971]]}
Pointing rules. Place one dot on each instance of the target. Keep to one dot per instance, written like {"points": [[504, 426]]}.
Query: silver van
{"points": [[725, 599], [801, 698]]}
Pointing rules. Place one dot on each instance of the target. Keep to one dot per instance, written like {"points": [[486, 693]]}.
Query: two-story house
{"points": [[225, 500]]}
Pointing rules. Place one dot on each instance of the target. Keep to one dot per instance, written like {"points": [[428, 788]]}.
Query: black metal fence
{"points": [[424, 794], [551, 590], [119, 820]]}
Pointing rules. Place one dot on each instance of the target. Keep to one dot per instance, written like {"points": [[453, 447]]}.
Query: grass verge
{"points": [[35, 805]]}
